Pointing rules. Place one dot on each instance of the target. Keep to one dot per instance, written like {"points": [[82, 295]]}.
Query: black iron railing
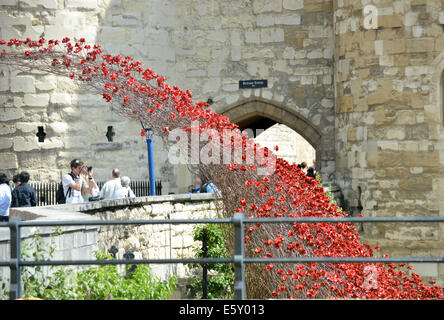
{"points": [[15, 262], [46, 192]]}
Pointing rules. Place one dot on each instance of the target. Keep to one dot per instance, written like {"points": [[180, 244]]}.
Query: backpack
{"points": [[60, 195], [204, 188]]}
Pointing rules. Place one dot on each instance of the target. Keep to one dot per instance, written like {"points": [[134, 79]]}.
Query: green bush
{"points": [[86, 283], [220, 275]]}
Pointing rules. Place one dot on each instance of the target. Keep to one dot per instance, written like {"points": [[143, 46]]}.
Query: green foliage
{"points": [[104, 282], [4, 294], [86, 283], [220, 275]]}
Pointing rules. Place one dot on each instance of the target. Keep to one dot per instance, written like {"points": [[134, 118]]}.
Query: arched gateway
{"points": [[260, 113]]}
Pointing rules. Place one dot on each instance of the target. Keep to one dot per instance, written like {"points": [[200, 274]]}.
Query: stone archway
{"points": [[250, 109]]}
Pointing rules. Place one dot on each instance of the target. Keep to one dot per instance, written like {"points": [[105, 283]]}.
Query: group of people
{"points": [[199, 187], [15, 193], [79, 185], [309, 171]]}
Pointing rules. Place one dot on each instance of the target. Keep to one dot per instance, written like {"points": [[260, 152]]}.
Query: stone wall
{"points": [[389, 124], [73, 242], [369, 101], [288, 141], [204, 46], [169, 241], [159, 241]]}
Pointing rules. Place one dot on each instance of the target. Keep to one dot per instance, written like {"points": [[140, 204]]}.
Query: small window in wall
{"points": [[110, 134], [41, 134]]}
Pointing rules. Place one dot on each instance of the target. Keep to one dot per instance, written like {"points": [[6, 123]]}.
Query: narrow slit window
{"points": [[41, 134], [110, 134]]}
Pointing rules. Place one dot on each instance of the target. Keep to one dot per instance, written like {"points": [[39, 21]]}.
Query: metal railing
{"points": [[46, 191], [15, 262]]}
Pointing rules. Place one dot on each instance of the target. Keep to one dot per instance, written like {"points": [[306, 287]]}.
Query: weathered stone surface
{"points": [[52, 143], [47, 4], [263, 6], [7, 114], [27, 127], [59, 127], [47, 83], [8, 161], [5, 143], [6, 129], [24, 84], [374, 95], [36, 100], [81, 4], [61, 98], [25, 144], [293, 4], [393, 79]]}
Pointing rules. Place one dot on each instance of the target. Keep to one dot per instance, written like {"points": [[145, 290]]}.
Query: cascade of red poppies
{"points": [[140, 93]]}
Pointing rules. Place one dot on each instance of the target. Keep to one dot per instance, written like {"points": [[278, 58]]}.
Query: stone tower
{"points": [[389, 120]]}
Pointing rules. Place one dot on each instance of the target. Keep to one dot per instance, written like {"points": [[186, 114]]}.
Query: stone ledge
{"points": [[80, 211]]}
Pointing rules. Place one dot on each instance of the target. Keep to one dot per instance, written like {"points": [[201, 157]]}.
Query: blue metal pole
{"points": [[149, 143]]}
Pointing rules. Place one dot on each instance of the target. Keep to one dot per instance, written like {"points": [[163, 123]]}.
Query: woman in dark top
{"points": [[24, 195]]}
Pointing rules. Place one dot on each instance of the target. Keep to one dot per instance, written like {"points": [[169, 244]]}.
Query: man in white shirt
{"points": [[5, 198], [73, 182], [125, 191], [111, 187]]}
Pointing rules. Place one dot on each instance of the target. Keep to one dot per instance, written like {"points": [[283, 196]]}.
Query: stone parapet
{"points": [[158, 241]]}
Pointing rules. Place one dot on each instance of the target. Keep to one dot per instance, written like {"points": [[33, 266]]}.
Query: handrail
{"points": [[238, 220]]}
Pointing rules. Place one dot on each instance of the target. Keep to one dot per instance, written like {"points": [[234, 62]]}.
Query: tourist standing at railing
{"points": [[73, 182], [15, 182], [93, 190], [196, 186], [125, 190], [5, 198], [24, 195], [110, 188]]}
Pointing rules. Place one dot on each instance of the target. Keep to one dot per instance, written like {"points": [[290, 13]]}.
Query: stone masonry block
{"points": [[47, 83], [24, 84], [272, 35], [293, 4], [7, 114], [5, 143], [36, 100], [263, 6], [25, 144], [82, 4], [61, 99], [420, 45], [288, 20], [27, 127], [389, 21]]}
